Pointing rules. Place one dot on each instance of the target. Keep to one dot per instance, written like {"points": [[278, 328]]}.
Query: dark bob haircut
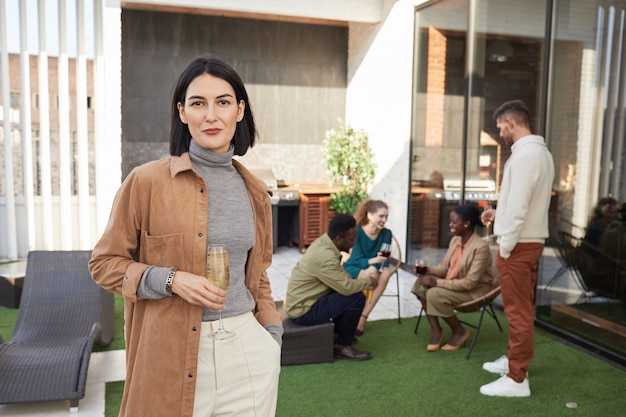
{"points": [[245, 133]]}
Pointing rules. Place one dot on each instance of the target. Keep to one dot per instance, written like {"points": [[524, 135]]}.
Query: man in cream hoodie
{"points": [[521, 227]]}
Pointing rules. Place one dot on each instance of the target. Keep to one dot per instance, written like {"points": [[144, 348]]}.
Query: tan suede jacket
{"points": [[159, 217], [475, 268]]}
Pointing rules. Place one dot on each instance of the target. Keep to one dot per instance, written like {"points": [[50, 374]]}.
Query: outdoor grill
{"points": [[281, 196], [479, 191], [475, 190], [285, 205]]}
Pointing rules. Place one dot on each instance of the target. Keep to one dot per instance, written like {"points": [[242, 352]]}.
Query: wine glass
{"points": [[385, 250], [420, 270], [487, 236], [218, 274]]}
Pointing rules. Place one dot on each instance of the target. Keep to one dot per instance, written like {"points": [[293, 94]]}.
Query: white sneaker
{"points": [[499, 366], [506, 387]]}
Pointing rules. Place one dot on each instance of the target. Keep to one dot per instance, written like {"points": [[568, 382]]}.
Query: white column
{"points": [[45, 171], [373, 50], [64, 134], [26, 122], [109, 104], [10, 235], [82, 130]]}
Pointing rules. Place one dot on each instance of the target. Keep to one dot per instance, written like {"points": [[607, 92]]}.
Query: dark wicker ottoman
{"points": [[306, 344]]}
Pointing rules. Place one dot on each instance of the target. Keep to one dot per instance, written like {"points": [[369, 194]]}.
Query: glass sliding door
{"points": [[470, 57], [586, 123], [508, 64], [438, 124]]}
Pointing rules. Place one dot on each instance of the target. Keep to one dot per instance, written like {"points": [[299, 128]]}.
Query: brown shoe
{"points": [[348, 352]]}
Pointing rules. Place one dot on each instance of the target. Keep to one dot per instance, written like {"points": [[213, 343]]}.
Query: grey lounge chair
{"points": [[62, 313]]}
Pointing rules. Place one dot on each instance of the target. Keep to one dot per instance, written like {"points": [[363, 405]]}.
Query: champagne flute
{"points": [[420, 270], [218, 274]]}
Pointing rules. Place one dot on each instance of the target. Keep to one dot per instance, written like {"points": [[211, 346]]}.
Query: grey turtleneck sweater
{"points": [[230, 223]]}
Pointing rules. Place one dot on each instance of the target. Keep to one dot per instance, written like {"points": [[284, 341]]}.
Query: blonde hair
{"points": [[368, 206]]}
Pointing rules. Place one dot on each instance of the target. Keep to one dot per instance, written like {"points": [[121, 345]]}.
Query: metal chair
{"points": [[568, 254], [482, 304], [395, 261]]}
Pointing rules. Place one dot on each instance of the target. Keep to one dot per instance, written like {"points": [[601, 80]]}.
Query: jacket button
{"points": [[201, 190], [200, 234], [194, 328], [190, 375]]}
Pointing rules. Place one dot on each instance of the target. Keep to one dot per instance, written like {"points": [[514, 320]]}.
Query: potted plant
{"points": [[349, 165]]}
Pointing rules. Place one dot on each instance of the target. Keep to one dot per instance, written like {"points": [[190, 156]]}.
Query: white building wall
{"points": [[380, 73], [340, 10], [108, 133]]}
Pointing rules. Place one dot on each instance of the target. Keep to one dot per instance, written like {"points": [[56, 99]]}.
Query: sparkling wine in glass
{"points": [[218, 274]]}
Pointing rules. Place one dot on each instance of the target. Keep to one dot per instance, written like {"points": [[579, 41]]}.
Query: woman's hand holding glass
{"points": [[429, 281], [196, 290]]}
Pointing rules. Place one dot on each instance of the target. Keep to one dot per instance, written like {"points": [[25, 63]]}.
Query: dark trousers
{"points": [[343, 310]]}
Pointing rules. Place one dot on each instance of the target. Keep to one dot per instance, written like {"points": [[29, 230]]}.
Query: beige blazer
{"points": [[475, 268]]}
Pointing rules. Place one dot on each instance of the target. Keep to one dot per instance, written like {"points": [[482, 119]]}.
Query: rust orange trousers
{"points": [[517, 276]]}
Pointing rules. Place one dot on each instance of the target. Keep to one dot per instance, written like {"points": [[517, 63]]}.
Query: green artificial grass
{"points": [[8, 317], [118, 328], [402, 379], [113, 398]]}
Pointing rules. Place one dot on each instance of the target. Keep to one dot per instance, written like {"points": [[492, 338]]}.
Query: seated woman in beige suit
{"points": [[465, 273]]}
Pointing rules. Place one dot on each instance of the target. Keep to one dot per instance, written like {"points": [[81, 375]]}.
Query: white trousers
{"points": [[237, 376]]}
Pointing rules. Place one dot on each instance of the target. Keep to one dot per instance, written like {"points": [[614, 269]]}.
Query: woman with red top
{"points": [[464, 274]]}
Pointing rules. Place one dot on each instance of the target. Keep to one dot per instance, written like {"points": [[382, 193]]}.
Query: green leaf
{"points": [[349, 164]]}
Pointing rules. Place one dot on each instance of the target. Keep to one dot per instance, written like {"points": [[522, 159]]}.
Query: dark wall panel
{"points": [[296, 75]]}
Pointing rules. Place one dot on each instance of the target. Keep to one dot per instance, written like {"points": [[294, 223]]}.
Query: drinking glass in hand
{"points": [[420, 269], [487, 236], [218, 275], [385, 250], [368, 295]]}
